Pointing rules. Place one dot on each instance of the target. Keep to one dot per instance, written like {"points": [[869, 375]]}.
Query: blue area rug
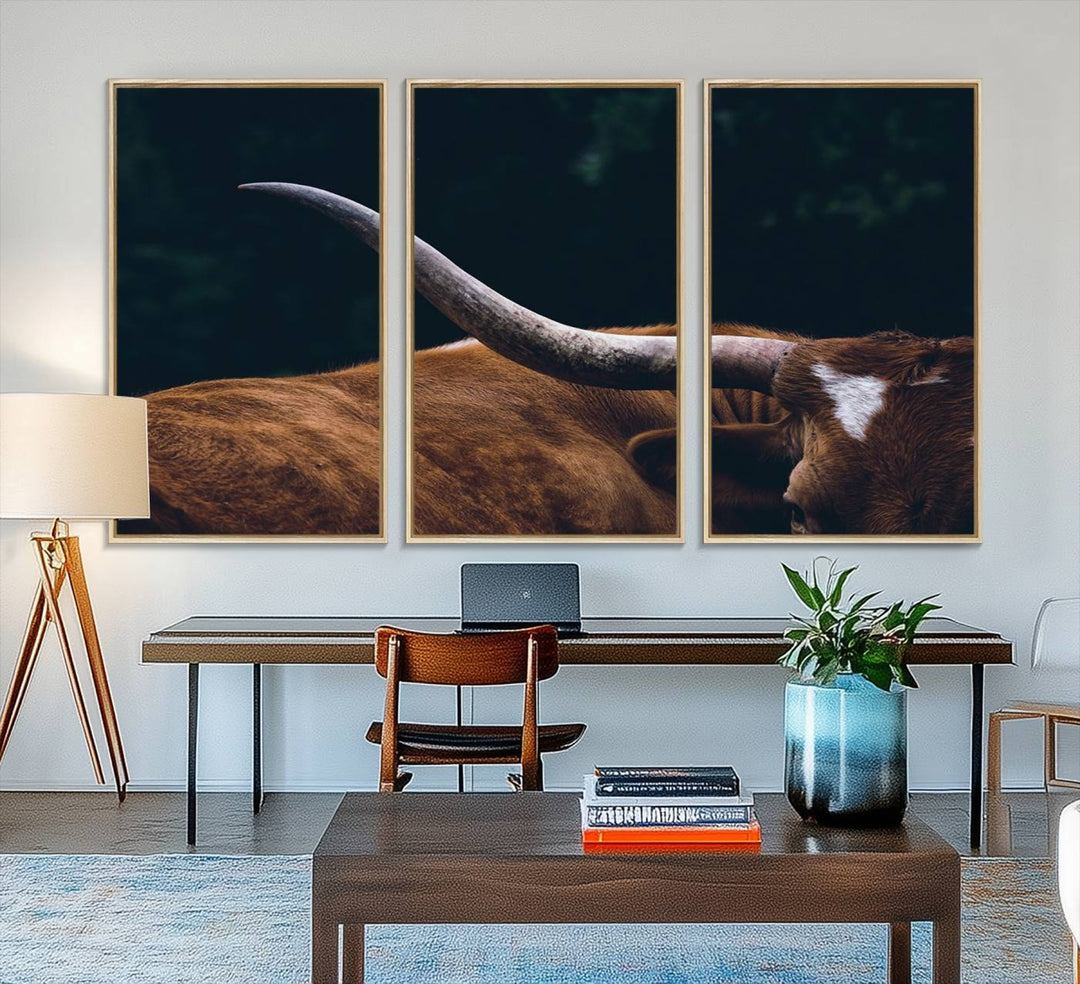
{"points": [[245, 920]]}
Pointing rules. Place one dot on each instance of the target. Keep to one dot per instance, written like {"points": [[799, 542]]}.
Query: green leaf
{"points": [[862, 601], [794, 655], [826, 673], [919, 611], [801, 588], [838, 590], [915, 615], [880, 676], [877, 653], [830, 639], [903, 675]]}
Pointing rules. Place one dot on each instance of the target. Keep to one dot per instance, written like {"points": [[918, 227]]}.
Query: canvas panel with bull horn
{"points": [[544, 317], [251, 324], [841, 273]]}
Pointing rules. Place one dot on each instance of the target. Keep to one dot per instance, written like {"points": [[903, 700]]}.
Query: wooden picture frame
{"points": [[476, 492], [904, 152], [209, 284]]}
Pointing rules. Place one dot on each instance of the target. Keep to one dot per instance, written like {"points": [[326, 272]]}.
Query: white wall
{"points": [[55, 59]]}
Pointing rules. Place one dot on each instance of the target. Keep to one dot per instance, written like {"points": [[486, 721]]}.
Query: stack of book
{"points": [[654, 806]]}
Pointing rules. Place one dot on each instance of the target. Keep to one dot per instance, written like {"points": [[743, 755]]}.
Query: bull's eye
{"points": [[798, 518]]}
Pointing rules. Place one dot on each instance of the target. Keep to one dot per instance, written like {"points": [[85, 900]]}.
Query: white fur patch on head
{"points": [[856, 399]]}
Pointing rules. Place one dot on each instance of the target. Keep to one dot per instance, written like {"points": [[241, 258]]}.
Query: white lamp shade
{"points": [[1055, 643], [73, 456]]}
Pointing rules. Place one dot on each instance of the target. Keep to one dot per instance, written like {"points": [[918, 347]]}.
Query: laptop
{"points": [[513, 596]]}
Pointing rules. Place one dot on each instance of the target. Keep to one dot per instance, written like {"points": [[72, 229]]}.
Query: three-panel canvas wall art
{"points": [[542, 331]]}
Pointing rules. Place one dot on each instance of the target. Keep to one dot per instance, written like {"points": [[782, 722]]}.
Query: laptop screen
{"points": [[507, 596]]}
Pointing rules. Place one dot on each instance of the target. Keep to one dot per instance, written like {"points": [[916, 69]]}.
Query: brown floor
{"points": [[1020, 824]]}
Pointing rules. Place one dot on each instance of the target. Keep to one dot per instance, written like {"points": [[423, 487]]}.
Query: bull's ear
{"points": [[655, 454], [751, 464], [755, 455]]}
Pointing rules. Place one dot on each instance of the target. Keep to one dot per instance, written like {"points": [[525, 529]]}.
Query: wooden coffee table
{"points": [[517, 858]]}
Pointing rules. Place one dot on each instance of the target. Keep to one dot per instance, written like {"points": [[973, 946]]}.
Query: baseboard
{"points": [[432, 785], [231, 786]]}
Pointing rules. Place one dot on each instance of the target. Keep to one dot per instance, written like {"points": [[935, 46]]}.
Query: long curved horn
{"points": [[747, 362], [644, 362]]}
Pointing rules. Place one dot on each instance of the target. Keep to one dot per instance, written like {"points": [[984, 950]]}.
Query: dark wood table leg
{"points": [[976, 753], [900, 953], [192, 748], [256, 738], [324, 948], [947, 950], [352, 954]]}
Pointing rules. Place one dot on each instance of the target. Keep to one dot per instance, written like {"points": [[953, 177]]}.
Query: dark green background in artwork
{"points": [[213, 282], [562, 199], [839, 212]]}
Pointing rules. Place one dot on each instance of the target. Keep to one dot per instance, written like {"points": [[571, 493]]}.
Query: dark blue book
{"points": [[707, 780]]}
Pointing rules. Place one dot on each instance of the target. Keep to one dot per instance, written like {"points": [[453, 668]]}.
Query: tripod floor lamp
{"points": [[78, 457]]}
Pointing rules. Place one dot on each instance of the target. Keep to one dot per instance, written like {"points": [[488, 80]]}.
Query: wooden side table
{"points": [[518, 858]]}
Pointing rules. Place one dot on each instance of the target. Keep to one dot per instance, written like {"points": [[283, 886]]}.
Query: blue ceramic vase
{"points": [[846, 751]]}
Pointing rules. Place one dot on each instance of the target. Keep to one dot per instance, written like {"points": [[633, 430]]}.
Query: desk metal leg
{"points": [[256, 738], [976, 753], [461, 766], [192, 748]]}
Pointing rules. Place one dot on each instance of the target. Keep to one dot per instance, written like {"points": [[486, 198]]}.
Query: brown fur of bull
{"points": [[506, 450], [293, 455], [913, 470], [785, 462], [500, 449]]}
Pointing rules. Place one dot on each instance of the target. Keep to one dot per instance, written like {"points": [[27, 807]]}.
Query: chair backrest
{"points": [[1055, 643], [468, 660]]}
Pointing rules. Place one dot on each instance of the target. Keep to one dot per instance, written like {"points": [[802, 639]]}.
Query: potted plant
{"points": [[845, 713]]}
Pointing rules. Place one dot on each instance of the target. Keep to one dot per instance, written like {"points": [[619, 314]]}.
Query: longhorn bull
{"points": [[536, 427]]}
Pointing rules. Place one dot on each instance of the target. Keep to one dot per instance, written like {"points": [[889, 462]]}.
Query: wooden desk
{"points": [[615, 641], [518, 858]]}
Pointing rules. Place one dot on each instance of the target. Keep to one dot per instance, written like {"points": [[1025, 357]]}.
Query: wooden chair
{"points": [[1055, 644], [484, 659]]}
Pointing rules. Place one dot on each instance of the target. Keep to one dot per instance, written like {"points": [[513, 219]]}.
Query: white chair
{"points": [[1055, 645], [1069, 875]]}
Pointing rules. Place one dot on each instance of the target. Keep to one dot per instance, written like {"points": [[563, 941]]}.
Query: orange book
{"points": [[749, 834], [639, 848]]}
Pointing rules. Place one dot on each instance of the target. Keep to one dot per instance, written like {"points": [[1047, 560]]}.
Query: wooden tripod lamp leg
{"points": [[59, 559], [51, 590], [77, 577], [24, 667]]}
